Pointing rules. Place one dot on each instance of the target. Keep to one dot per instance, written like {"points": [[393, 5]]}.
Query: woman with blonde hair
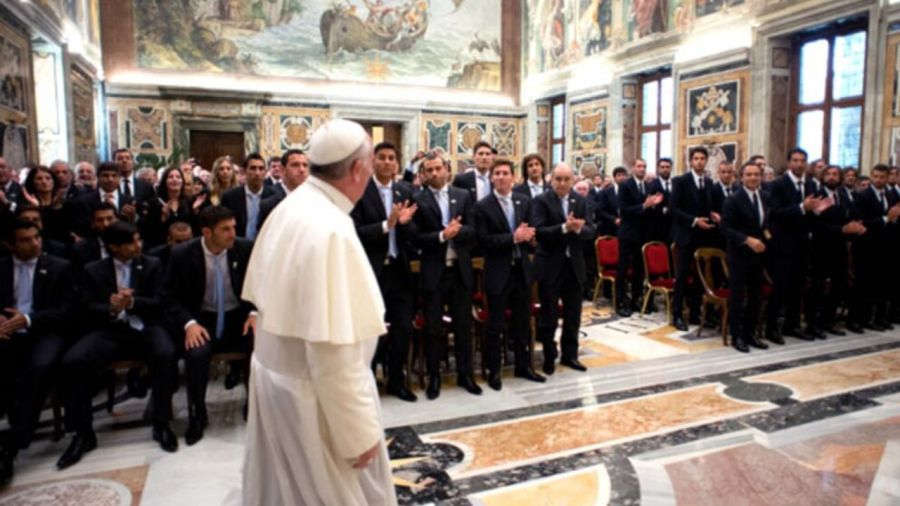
{"points": [[224, 178]]}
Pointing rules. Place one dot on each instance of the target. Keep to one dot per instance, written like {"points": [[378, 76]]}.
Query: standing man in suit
{"points": [[477, 182], [66, 179], [722, 190], [294, 171], [793, 203], [533, 171], [636, 204], [10, 189], [383, 218], [833, 229], [744, 218], [661, 216], [203, 298], [501, 221], [107, 191], [245, 200], [560, 218], [123, 297], [130, 186], [693, 226], [275, 173], [608, 217], [35, 293], [91, 248], [445, 233]]}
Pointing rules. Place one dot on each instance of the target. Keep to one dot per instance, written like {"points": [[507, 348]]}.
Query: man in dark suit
{"points": [[203, 289], [129, 185], [560, 218], [832, 229], [275, 173], [533, 171], [81, 209], [294, 171], [123, 298], [48, 246], [91, 247], [693, 225], [66, 179], [35, 292], [445, 234], [636, 204], [745, 215], [178, 232], [793, 201], [501, 222], [607, 214], [383, 218], [661, 215], [10, 189], [878, 210], [722, 190], [477, 182], [244, 201]]}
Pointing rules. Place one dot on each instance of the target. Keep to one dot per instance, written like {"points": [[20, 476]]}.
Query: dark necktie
{"points": [[641, 187], [756, 208], [837, 197], [127, 191], [701, 184], [728, 191], [882, 201]]}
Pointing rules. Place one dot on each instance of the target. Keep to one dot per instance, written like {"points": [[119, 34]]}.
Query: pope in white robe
{"points": [[314, 431]]}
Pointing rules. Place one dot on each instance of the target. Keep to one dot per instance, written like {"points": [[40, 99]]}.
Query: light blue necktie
{"points": [[220, 296], [508, 211], [252, 216], [445, 207], [486, 186], [124, 281], [23, 290], [565, 206], [392, 234]]}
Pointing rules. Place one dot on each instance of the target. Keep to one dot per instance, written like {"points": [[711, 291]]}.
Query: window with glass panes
{"points": [[656, 104], [557, 130], [829, 70]]}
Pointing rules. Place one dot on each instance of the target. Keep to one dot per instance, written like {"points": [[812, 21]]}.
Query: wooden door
{"points": [[385, 131], [208, 145]]}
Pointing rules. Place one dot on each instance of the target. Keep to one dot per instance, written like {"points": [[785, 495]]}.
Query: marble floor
{"points": [[660, 417]]}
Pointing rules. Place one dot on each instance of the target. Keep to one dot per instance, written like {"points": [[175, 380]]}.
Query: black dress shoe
{"points": [[530, 375], [794, 332], [624, 312], [740, 346], [494, 381], [886, 325], [549, 367], [163, 435], [402, 393], [815, 333], [434, 387], [573, 363], [855, 328], [635, 307], [876, 327], [694, 320], [756, 343], [774, 338], [81, 444], [7, 467], [232, 378], [468, 383], [678, 323], [194, 433], [835, 332]]}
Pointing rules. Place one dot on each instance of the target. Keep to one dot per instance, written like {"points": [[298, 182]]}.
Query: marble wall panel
{"points": [[455, 135]]}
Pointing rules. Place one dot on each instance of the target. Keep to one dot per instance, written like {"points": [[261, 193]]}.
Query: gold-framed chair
{"points": [[658, 276], [712, 268]]}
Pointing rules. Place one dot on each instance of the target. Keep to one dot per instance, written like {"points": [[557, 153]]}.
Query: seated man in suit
{"points": [[445, 233], [35, 294], [48, 245], [91, 248], [178, 232], [123, 297], [533, 171], [294, 171], [244, 201], [745, 216], [561, 220], [81, 209], [203, 287], [501, 222], [635, 206], [607, 215], [383, 218]]}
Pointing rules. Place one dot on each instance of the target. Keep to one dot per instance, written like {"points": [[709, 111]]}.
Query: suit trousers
{"points": [[685, 267], [91, 354], [452, 292], [515, 297], [28, 367], [566, 288], [871, 288], [791, 266], [745, 285], [396, 291], [629, 256], [829, 266]]}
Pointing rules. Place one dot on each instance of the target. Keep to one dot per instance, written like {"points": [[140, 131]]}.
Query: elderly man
{"points": [[314, 432], [86, 176], [65, 177], [9, 187]]}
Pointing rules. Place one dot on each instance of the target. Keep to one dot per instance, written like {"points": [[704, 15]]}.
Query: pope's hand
{"points": [[195, 336], [365, 459]]}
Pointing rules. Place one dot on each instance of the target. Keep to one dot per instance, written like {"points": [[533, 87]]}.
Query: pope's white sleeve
{"points": [[342, 381]]}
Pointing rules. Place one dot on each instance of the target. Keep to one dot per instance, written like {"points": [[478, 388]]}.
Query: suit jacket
{"points": [[828, 236], [267, 206], [719, 196], [429, 225], [51, 293], [608, 211], [13, 194], [496, 240], [741, 220], [466, 181], [368, 216], [99, 283], [141, 192], [81, 209], [236, 200], [524, 189], [185, 283], [162, 253], [872, 214], [635, 224], [689, 203], [547, 217], [661, 215], [790, 225], [86, 251]]}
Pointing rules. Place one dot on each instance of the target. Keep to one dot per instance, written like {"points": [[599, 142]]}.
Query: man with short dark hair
{"points": [[129, 185], [91, 248], [477, 182], [123, 300], [661, 215], [107, 191], [33, 214], [608, 212], [244, 201], [294, 171], [635, 206], [274, 173], [177, 233]]}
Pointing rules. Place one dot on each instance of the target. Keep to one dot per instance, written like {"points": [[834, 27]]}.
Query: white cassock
{"points": [[314, 405]]}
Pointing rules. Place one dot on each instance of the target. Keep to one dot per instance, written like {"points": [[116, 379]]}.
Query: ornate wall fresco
{"points": [[18, 134], [144, 126], [446, 43], [83, 110], [283, 128], [588, 131], [454, 136], [890, 136]]}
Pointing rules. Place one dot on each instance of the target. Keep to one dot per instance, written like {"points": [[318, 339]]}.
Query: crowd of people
{"points": [[101, 265]]}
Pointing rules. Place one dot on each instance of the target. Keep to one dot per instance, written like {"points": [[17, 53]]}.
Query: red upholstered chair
{"points": [[607, 249], [712, 268], [658, 276]]}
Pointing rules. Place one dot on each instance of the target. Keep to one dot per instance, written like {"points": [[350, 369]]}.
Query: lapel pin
{"points": [[43, 271], [140, 267], [234, 265], [452, 201]]}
